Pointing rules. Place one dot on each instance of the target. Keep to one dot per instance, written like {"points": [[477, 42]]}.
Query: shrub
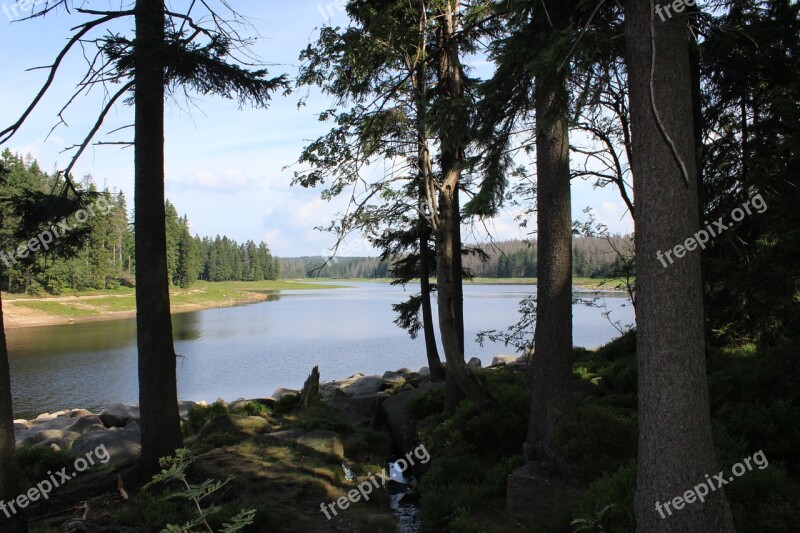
{"points": [[200, 414], [608, 503], [287, 404], [35, 463], [426, 404]]}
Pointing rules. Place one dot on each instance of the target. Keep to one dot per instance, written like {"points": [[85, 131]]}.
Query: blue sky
{"points": [[224, 166]]}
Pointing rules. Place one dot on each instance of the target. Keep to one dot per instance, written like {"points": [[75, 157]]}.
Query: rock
{"points": [[184, 406], [323, 441], [118, 415], [474, 363], [392, 381], [310, 394], [404, 371], [503, 360], [424, 371], [525, 358], [360, 410], [363, 386], [86, 424], [63, 438], [539, 500], [281, 392], [402, 426], [233, 425], [122, 445], [20, 425]]}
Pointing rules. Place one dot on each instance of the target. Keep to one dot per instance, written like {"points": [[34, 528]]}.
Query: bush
{"points": [[252, 409], [599, 439], [426, 404], [608, 503], [287, 404], [200, 414], [35, 463], [764, 501]]}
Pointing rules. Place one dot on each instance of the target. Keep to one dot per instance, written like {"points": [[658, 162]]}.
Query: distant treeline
{"points": [[97, 252], [592, 257]]}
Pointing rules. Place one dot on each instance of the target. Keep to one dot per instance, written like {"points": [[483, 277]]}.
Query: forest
{"points": [[689, 112], [105, 257]]}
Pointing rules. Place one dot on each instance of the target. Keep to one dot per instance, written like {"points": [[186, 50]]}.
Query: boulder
{"points": [[233, 425], [118, 415], [86, 424], [503, 360], [122, 445], [323, 441], [363, 386], [404, 371], [23, 424], [424, 371], [184, 406], [392, 381], [360, 410], [474, 363], [286, 436], [63, 438], [402, 426]]}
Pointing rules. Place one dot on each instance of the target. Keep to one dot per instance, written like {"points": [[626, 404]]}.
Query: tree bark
{"points": [[460, 381], [158, 390], [9, 475], [675, 442], [551, 398], [431, 350]]}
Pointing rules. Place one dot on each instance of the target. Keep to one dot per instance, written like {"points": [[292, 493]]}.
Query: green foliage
{"points": [[174, 470], [35, 462], [472, 453], [599, 439], [426, 404], [200, 414], [607, 504], [287, 404], [252, 409]]}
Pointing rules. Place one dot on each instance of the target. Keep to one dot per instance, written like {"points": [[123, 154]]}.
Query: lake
{"points": [[251, 350]]}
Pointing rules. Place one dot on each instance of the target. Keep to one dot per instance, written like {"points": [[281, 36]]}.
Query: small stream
{"points": [[404, 500]]}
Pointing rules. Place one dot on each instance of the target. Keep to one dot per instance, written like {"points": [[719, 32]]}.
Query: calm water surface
{"points": [[251, 350]]}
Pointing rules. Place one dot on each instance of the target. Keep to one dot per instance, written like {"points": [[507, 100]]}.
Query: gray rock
{"points": [[503, 360], [233, 425], [363, 386], [402, 426], [184, 406], [122, 445], [392, 381], [359, 410], [286, 436], [63, 438], [118, 415], [474, 363], [404, 371], [18, 425], [86, 424], [322, 441], [424, 371]]}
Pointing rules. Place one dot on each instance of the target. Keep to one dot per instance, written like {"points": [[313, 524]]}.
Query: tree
{"points": [[675, 443], [170, 51]]}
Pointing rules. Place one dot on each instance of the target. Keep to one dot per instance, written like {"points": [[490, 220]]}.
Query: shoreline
{"points": [[20, 311]]}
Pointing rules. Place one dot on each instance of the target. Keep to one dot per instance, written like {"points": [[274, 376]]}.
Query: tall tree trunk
{"points": [[460, 381], [158, 390], [9, 480], [675, 443], [551, 398], [431, 350]]}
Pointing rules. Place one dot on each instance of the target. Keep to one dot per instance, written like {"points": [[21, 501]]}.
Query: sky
{"points": [[228, 169]]}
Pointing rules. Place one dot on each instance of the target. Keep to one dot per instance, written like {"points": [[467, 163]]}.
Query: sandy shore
{"points": [[20, 316]]}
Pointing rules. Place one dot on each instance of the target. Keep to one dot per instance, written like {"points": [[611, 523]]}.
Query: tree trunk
{"points": [[551, 398], [431, 350], [460, 381], [675, 443], [9, 476], [158, 390]]}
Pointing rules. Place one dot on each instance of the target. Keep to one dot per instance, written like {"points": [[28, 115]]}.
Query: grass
{"points": [[201, 294]]}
